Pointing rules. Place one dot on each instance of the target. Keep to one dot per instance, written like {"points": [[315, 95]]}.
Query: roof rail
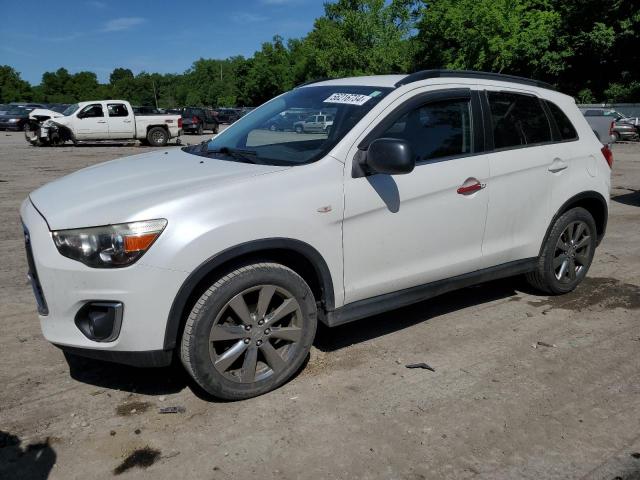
{"points": [[426, 74], [309, 82]]}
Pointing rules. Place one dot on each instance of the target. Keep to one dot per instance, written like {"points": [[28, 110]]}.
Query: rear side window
{"points": [[117, 110], [565, 127], [435, 130], [517, 120]]}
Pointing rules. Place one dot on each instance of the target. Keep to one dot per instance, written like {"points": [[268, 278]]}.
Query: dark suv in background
{"points": [[198, 119], [228, 115]]}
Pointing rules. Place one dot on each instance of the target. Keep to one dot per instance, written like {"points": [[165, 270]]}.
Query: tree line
{"points": [[587, 48]]}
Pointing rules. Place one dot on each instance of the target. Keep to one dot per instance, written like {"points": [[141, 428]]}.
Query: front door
{"points": [[92, 123], [407, 230]]}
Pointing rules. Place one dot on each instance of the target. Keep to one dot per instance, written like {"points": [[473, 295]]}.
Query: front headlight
{"points": [[14, 120], [110, 246]]}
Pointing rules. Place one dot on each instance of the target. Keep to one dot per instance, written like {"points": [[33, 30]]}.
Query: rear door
{"points": [[522, 163], [92, 123], [120, 121]]}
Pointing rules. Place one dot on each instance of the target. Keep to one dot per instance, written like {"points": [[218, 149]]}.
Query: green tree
{"points": [[514, 36], [359, 37], [12, 87]]}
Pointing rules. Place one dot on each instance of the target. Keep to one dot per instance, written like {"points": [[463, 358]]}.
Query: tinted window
{"points": [[567, 131], [117, 110], [435, 130], [517, 120], [593, 113], [92, 111]]}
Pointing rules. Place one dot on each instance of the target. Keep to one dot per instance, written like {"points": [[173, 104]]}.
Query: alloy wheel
{"points": [[256, 334], [573, 252]]}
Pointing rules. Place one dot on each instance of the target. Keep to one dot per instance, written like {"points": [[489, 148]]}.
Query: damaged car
{"points": [[102, 120]]}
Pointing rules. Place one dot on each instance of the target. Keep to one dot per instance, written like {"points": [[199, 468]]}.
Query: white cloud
{"points": [[97, 4], [123, 23]]}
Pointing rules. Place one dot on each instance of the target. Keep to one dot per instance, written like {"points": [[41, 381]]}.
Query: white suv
{"points": [[228, 253]]}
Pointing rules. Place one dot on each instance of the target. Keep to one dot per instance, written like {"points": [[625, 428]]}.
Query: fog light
{"points": [[100, 321]]}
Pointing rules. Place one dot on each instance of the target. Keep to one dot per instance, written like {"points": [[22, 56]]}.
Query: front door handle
{"points": [[470, 186], [102, 121], [557, 166]]}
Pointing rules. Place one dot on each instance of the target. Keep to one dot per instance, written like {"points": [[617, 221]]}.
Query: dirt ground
{"points": [[498, 406]]}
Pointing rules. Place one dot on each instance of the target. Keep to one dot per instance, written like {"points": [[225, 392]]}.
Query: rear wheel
{"points": [[567, 253], [157, 136], [616, 137], [216, 127], [200, 130], [298, 128], [250, 331]]}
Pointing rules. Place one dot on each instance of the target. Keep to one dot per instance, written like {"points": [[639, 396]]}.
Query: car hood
{"points": [[156, 183]]}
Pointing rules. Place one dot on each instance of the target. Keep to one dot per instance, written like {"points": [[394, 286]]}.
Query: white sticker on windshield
{"points": [[348, 98]]}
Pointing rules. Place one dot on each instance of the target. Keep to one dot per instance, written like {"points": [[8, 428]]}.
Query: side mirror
{"points": [[389, 156]]}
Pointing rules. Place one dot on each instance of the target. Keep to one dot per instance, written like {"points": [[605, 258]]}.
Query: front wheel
{"points": [[298, 129], [157, 136], [250, 331], [567, 253]]}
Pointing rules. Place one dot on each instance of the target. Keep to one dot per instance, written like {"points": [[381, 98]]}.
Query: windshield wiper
{"points": [[247, 156]]}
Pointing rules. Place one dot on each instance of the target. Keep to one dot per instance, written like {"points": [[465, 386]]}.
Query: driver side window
{"points": [[436, 129], [92, 111]]}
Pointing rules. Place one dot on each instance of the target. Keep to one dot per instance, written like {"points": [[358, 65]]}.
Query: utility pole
{"points": [[153, 82]]}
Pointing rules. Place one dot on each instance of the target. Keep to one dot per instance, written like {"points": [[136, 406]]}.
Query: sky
{"points": [[154, 36]]}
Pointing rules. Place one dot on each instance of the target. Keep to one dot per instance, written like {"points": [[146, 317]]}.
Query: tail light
{"points": [[608, 155], [180, 122], [195, 119], [611, 127]]}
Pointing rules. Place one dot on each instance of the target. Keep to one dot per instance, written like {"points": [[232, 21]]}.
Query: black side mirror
{"points": [[389, 156]]}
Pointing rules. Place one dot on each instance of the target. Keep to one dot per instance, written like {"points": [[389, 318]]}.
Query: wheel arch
{"points": [[591, 201], [301, 257]]}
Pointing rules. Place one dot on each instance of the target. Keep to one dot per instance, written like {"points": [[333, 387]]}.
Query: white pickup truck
{"points": [[103, 120]]}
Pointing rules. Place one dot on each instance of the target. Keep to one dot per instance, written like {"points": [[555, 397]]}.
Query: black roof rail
{"points": [[426, 74], [309, 82]]}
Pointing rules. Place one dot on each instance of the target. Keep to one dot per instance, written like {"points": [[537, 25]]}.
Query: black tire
{"points": [[205, 355], [616, 137], [299, 129], [200, 130], [157, 137], [216, 128], [560, 247]]}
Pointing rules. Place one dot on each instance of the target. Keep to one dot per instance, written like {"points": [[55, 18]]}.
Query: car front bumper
{"points": [[66, 285]]}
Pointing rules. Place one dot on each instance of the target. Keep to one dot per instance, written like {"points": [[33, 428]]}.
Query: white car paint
{"points": [[377, 234]]}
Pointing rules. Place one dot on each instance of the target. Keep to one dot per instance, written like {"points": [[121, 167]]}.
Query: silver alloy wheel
{"points": [[573, 251], [255, 334]]}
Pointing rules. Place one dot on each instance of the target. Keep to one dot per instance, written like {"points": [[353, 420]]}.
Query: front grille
{"points": [[33, 276]]}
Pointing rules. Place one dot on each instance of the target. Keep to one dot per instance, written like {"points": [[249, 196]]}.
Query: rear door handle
{"points": [[557, 166], [102, 121], [471, 185]]}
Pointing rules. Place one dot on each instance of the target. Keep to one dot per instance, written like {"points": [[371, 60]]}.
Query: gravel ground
{"points": [[498, 406]]}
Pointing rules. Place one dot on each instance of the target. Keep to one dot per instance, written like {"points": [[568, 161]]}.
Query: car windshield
{"points": [[70, 110], [19, 111], [256, 139]]}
